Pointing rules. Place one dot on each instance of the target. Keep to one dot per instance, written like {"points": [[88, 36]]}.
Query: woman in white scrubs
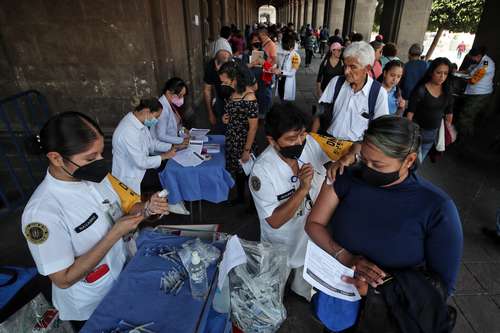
{"points": [[74, 222], [170, 127], [137, 156]]}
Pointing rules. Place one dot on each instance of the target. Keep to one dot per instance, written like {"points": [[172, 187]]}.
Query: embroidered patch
{"points": [[255, 182], [88, 222], [36, 233]]}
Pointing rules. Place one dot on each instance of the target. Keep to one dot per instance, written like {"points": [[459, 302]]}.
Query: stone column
{"points": [[309, 11], [413, 25], [320, 13], [364, 16], [336, 15]]}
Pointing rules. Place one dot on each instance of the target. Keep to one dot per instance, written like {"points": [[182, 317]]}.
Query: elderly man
{"points": [[352, 101], [212, 84]]}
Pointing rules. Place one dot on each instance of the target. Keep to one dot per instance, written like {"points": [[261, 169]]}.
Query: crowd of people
{"points": [[360, 199]]}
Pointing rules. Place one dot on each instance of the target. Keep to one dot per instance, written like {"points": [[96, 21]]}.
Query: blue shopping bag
{"points": [[335, 313]]}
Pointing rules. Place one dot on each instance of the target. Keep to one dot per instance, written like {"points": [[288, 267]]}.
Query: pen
{"points": [[298, 159], [198, 155]]}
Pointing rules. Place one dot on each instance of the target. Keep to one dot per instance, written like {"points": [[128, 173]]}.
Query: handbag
{"points": [[441, 144]]}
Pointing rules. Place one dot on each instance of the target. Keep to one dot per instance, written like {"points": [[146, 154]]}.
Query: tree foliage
{"points": [[456, 15]]}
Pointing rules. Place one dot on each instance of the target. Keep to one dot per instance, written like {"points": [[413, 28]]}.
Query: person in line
{"points": [[330, 67], [405, 221], [393, 71], [309, 46], [284, 182], [214, 104], [76, 218], [169, 128], [357, 37], [352, 109], [414, 70], [223, 41], [241, 117], [478, 91], [137, 157], [264, 91], [237, 43], [268, 46], [323, 39], [389, 52], [336, 38], [289, 63], [430, 102], [461, 48], [376, 70]]}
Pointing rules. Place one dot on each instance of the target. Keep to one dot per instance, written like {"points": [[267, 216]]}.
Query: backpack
{"points": [[326, 115]]}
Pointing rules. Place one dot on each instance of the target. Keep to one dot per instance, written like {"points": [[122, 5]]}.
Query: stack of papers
{"points": [[199, 134], [191, 156], [212, 148]]}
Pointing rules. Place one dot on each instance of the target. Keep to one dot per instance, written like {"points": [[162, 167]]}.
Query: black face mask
{"points": [[95, 171], [225, 91], [377, 178], [292, 152], [257, 45]]}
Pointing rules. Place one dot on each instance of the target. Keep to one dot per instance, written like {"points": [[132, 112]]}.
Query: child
{"points": [[391, 75]]}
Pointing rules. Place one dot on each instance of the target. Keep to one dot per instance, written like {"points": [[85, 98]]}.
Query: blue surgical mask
{"points": [[150, 122]]}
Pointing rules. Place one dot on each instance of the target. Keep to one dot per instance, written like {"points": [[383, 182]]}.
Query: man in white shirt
{"points": [[354, 100], [478, 91], [223, 41], [284, 182]]}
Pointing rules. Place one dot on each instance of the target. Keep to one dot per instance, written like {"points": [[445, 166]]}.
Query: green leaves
{"points": [[456, 15]]}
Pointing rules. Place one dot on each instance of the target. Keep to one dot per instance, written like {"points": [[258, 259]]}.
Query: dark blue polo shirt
{"points": [[401, 226]]}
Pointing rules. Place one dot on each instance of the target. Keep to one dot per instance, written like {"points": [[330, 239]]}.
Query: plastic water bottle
{"points": [[197, 277], [221, 301]]}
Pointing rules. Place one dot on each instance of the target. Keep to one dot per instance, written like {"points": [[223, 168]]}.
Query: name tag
{"points": [[285, 195], [88, 222]]}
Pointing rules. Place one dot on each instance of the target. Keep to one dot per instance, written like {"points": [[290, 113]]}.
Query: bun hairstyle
{"points": [[174, 85], [149, 103], [67, 133], [239, 72]]}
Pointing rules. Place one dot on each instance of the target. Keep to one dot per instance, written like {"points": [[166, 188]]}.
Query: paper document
{"points": [[196, 146], [248, 165], [188, 158], [234, 255], [324, 272], [212, 148], [198, 133]]}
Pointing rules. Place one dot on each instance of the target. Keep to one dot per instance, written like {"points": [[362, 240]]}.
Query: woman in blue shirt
{"points": [[380, 215], [391, 75]]}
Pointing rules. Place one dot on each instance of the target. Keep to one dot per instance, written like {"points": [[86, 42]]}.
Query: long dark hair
{"points": [[68, 133], [432, 67], [390, 65]]}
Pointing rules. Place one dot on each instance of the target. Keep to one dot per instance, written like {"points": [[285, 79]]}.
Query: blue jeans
{"points": [[428, 141]]}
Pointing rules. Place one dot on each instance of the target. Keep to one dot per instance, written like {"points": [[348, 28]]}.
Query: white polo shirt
{"points": [[350, 112], [485, 85], [133, 149], [271, 185], [64, 220]]}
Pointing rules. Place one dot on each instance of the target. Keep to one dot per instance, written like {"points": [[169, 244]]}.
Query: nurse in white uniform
{"points": [[285, 181], [137, 156], [288, 64], [74, 221], [169, 128]]}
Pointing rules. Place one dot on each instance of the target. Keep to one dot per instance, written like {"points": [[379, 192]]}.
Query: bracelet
{"points": [[338, 253]]}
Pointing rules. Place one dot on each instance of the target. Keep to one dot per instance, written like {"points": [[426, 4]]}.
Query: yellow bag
{"points": [[334, 148], [128, 197]]}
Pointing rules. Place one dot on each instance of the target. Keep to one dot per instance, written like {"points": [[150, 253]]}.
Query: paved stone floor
{"points": [[474, 186]]}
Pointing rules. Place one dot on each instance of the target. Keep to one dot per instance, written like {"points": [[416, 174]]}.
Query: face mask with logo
{"points": [[95, 171], [226, 91], [150, 122], [377, 178], [292, 152], [177, 101]]}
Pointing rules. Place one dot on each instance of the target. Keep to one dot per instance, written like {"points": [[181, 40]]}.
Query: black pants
{"points": [[281, 87], [151, 181], [309, 54], [241, 181], [77, 324]]}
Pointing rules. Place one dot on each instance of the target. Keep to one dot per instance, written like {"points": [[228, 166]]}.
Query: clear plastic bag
{"points": [[208, 253], [25, 319], [257, 288]]}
